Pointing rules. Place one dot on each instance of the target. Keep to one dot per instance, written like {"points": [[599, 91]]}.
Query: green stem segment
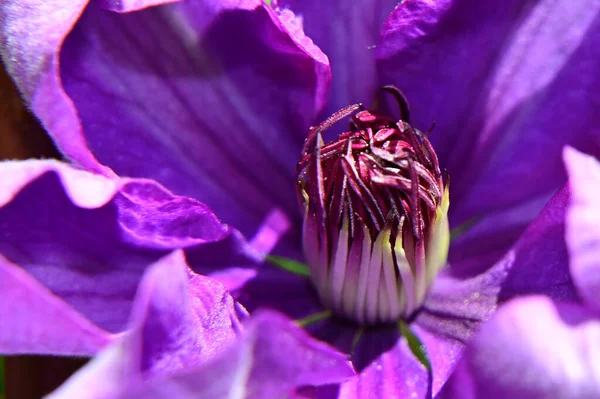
{"points": [[289, 265], [313, 318]]}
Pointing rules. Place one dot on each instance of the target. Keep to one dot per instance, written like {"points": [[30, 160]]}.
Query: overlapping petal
{"points": [[181, 343], [497, 78], [88, 238], [179, 320], [532, 348]]}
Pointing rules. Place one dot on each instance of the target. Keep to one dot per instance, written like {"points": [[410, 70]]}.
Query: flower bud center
{"points": [[375, 215]]}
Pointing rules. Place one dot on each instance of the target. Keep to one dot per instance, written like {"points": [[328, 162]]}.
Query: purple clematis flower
{"points": [[536, 347], [205, 106]]}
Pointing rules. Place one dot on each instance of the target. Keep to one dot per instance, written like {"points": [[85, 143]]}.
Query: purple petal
{"points": [[583, 224], [533, 348], [394, 373], [179, 320], [270, 360], [457, 305], [451, 314], [348, 36], [88, 238], [497, 78], [36, 321], [218, 115], [31, 33], [538, 262], [386, 366]]}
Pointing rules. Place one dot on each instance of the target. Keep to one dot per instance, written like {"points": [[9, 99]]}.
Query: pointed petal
{"points": [[583, 224], [514, 356], [36, 321], [90, 238]]}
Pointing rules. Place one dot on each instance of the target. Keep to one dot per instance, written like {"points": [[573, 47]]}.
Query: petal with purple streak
{"points": [[179, 320], [583, 224], [36, 321], [348, 36], [506, 95], [88, 238], [220, 116], [532, 348]]}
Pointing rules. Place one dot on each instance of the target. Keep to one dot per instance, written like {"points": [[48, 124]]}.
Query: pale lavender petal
{"points": [[180, 320], [348, 36], [36, 321], [532, 348], [583, 224], [219, 116], [31, 33], [497, 79], [88, 238]]}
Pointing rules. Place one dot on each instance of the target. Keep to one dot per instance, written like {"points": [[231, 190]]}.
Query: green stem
{"points": [[415, 345], [289, 265], [313, 318]]}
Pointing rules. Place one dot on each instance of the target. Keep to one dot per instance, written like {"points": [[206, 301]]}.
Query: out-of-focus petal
{"points": [[211, 99], [508, 84], [532, 348], [130, 5], [36, 321], [179, 320], [88, 238], [348, 36], [583, 224]]}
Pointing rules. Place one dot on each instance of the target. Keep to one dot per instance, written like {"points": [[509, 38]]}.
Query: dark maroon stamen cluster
{"points": [[380, 176]]}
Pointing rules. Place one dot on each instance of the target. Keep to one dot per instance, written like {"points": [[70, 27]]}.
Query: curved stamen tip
{"points": [[375, 215], [401, 99]]}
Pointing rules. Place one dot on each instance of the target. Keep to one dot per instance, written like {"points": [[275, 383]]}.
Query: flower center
{"points": [[375, 204]]}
